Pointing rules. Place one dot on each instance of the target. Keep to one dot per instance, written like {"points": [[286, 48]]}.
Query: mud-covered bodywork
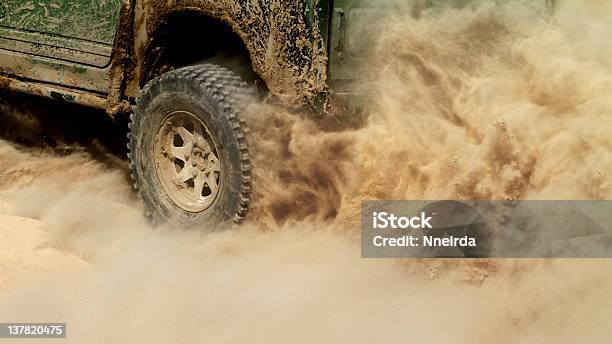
{"points": [[283, 38], [112, 43], [59, 48], [77, 31]]}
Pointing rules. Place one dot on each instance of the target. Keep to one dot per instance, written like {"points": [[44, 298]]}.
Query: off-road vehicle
{"points": [[183, 69]]}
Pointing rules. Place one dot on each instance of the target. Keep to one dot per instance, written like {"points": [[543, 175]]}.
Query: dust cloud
{"points": [[487, 102]]}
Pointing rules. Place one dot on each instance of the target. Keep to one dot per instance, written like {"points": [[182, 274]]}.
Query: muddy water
{"points": [[490, 103]]}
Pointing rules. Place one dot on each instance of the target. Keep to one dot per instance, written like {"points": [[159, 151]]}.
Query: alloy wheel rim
{"points": [[187, 161]]}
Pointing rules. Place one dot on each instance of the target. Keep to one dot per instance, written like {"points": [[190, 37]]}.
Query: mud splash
{"points": [[492, 102]]}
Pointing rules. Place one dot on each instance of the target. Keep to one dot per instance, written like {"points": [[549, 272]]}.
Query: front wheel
{"points": [[188, 152]]}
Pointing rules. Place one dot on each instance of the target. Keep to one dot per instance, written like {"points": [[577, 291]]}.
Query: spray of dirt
{"points": [[487, 102], [496, 103]]}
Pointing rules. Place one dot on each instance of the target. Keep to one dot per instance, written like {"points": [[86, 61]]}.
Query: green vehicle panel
{"points": [[69, 43], [94, 21], [78, 31]]}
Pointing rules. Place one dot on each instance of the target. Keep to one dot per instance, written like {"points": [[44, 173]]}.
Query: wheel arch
{"points": [[188, 35], [284, 48]]}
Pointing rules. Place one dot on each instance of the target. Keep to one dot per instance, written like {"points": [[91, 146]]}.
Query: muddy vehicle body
{"points": [[180, 66], [102, 53]]}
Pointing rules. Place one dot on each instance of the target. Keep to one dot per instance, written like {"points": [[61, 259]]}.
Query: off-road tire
{"points": [[217, 97]]}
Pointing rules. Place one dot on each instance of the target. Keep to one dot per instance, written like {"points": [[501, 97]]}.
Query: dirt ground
{"points": [[490, 103]]}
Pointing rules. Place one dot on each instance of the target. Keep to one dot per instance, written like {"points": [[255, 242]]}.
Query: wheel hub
{"points": [[187, 161]]}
